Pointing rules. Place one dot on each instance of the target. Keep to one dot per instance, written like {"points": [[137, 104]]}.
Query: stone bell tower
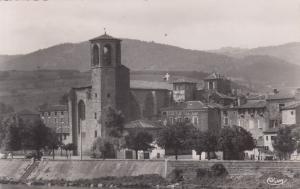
{"points": [[110, 79]]}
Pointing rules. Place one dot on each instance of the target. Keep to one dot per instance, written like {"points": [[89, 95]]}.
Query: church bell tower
{"points": [[110, 79]]}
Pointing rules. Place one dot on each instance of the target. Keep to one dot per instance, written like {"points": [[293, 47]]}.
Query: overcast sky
{"points": [[28, 25]]}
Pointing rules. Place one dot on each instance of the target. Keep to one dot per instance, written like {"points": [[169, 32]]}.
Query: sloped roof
{"points": [[221, 95], [140, 84], [54, 108], [142, 124], [271, 130], [27, 112], [291, 106], [192, 105], [253, 104], [214, 75], [279, 96], [185, 80], [104, 36]]}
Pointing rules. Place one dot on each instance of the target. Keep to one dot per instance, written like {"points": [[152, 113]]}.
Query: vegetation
{"points": [[175, 137], [114, 123], [233, 141], [20, 135], [103, 148], [284, 143], [138, 141]]}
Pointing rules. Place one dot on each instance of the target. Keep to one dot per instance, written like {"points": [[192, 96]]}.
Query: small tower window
{"points": [[95, 55], [96, 95], [108, 95], [95, 115], [96, 134], [107, 54]]}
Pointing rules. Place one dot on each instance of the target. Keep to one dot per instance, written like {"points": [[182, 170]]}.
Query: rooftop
{"points": [[140, 84], [185, 80], [253, 104], [214, 75], [271, 130], [291, 106], [192, 105], [104, 36], [142, 124], [279, 96], [54, 108]]}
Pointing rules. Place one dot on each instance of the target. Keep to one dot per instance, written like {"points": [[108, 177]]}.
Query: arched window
{"points": [[107, 54], [81, 113], [95, 55]]}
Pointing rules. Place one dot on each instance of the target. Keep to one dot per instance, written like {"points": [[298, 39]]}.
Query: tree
{"points": [[284, 143], [175, 137], [203, 142], [53, 141], [114, 123], [68, 147], [103, 148], [233, 141], [138, 141], [12, 140]]}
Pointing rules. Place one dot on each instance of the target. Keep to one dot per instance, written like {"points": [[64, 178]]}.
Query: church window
{"points": [[96, 134], [96, 95], [107, 54], [292, 112], [95, 55], [95, 115], [81, 110]]}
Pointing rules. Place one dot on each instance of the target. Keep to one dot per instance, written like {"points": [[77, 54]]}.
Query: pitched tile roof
{"points": [[54, 108], [185, 80], [279, 96], [192, 105], [253, 104], [291, 106], [214, 75], [143, 124]]}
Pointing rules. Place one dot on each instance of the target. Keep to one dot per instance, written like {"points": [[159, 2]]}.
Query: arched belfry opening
{"points": [[107, 54], [81, 114], [95, 55]]}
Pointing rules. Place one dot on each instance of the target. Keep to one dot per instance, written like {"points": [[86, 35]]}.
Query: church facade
{"points": [[110, 88]]}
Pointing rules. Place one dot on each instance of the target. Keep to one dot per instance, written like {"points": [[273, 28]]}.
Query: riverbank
{"points": [[152, 173]]}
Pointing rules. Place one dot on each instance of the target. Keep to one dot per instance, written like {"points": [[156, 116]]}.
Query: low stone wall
{"points": [[236, 167], [13, 169], [89, 169]]}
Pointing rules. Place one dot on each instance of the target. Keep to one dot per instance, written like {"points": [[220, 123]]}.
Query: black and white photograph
{"points": [[158, 94]]}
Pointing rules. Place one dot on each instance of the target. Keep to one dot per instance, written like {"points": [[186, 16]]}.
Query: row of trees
{"points": [[34, 136], [233, 141]]}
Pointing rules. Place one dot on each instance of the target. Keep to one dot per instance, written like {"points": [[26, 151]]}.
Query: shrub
{"points": [[218, 169], [201, 172], [178, 174]]}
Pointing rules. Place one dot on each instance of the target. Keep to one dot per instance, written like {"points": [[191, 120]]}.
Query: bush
{"points": [[178, 175], [218, 169], [201, 172]]}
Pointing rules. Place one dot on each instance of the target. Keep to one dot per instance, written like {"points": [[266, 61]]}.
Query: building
{"points": [[150, 127], [291, 114], [184, 90], [110, 88], [57, 117], [202, 115]]}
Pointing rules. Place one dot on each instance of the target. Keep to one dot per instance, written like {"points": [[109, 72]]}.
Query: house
{"points": [[143, 126], [204, 116], [291, 114], [57, 118]]}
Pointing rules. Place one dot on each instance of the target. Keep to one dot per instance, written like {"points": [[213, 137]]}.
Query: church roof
{"points": [[105, 37], [184, 80]]}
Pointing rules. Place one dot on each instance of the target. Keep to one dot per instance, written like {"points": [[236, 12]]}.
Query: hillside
{"points": [[252, 70], [289, 52]]}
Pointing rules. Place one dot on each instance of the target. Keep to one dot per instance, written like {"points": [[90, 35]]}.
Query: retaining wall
{"points": [[14, 169]]}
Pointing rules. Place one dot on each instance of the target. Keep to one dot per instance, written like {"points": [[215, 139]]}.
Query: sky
{"points": [[29, 25]]}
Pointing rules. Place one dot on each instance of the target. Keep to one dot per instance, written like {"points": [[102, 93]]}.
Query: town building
{"points": [[150, 127], [291, 114], [203, 116], [57, 118]]}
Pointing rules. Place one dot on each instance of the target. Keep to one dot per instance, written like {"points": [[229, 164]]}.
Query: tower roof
{"points": [[104, 37], [214, 75]]}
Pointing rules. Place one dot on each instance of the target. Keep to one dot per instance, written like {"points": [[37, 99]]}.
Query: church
{"points": [[110, 88]]}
